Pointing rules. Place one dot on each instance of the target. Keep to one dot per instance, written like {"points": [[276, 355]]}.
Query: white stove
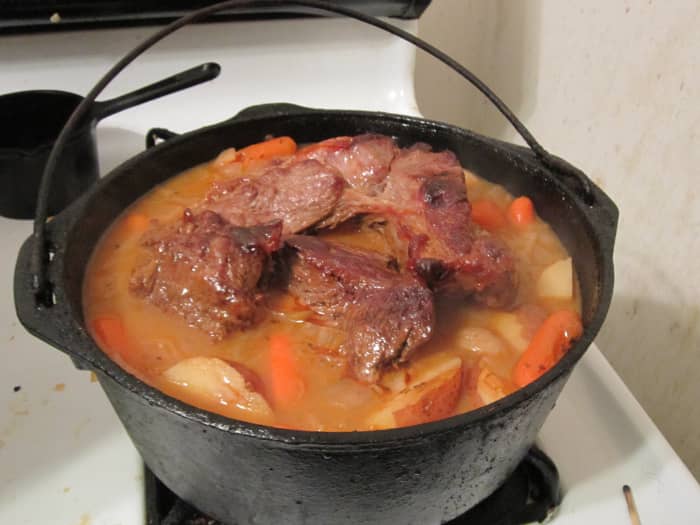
{"points": [[64, 457]]}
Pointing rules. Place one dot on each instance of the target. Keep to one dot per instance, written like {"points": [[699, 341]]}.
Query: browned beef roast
{"points": [[363, 160], [386, 314], [423, 200], [456, 255], [298, 192], [206, 270]]}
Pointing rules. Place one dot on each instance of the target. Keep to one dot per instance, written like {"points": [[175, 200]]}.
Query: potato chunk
{"points": [[432, 395], [557, 280], [509, 327], [213, 381], [489, 386], [479, 340]]}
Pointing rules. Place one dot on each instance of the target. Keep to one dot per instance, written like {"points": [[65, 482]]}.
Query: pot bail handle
{"points": [[39, 254]]}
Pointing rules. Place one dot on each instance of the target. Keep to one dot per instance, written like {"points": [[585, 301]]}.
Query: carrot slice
{"points": [[110, 332], [287, 382], [521, 212], [550, 342], [488, 215], [277, 147]]}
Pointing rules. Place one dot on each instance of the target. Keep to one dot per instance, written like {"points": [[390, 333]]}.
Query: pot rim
{"points": [[97, 359]]}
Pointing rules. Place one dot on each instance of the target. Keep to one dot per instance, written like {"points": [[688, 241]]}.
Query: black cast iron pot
{"points": [[243, 473]]}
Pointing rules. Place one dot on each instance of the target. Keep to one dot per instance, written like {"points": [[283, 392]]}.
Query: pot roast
{"points": [[212, 266]]}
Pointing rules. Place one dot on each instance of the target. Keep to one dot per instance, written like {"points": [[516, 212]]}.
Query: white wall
{"points": [[612, 86]]}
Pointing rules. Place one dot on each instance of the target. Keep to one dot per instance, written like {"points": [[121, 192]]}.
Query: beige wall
{"points": [[612, 86]]}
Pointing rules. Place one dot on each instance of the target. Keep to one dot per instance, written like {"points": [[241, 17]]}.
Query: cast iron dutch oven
{"points": [[244, 473]]}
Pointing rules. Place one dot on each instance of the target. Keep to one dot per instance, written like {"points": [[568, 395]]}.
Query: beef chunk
{"points": [[420, 161], [206, 270], [299, 193], [386, 314], [456, 253], [424, 203], [363, 160]]}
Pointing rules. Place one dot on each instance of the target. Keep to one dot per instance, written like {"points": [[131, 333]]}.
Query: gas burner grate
{"points": [[529, 495]]}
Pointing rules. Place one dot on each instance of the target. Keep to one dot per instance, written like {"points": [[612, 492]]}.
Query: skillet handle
{"points": [[178, 82]]}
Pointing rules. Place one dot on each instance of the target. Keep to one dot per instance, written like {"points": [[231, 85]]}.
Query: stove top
{"points": [[530, 494], [65, 458]]}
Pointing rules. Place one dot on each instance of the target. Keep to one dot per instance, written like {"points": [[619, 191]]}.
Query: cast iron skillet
{"points": [[243, 473], [33, 120]]}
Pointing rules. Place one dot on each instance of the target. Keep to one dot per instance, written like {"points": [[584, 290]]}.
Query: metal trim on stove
{"points": [[44, 15]]}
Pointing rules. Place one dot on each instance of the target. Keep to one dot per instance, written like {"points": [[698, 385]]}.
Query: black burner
{"points": [[530, 494]]}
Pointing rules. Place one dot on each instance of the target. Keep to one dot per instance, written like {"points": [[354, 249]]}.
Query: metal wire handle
{"points": [[40, 250]]}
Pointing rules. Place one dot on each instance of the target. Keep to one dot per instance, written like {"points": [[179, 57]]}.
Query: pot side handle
{"points": [[52, 324], [601, 210]]}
